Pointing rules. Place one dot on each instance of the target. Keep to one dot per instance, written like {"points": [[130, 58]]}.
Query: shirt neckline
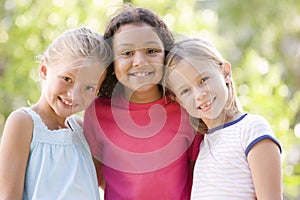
{"points": [[210, 131]]}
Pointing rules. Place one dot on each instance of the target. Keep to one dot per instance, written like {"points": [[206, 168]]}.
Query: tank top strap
{"points": [[37, 121], [38, 124], [74, 124], [35, 117], [78, 129]]}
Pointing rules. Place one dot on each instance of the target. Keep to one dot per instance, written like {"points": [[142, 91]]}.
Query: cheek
{"points": [[120, 68], [53, 84], [186, 102], [189, 106], [159, 60], [159, 73]]}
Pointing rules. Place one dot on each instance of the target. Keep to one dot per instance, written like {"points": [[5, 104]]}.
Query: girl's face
{"points": [[138, 57], [69, 89], [201, 90]]}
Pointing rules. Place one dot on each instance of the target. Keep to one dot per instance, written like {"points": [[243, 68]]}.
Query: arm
{"points": [[89, 121], [14, 152], [98, 166], [265, 164]]}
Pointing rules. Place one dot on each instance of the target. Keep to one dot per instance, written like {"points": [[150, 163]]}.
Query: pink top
{"points": [[144, 148]]}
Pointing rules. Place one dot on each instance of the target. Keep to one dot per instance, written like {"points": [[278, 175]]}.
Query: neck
{"points": [[49, 116], [143, 96]]}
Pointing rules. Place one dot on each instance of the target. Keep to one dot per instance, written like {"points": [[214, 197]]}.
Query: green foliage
{"points": [[260, 38]]}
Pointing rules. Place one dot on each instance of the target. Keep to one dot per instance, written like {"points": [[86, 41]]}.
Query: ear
{"points": [[43, 70], [226, 69]]}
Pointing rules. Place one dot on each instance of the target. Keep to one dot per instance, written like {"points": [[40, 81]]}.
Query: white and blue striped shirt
{"points": [[222, 170]]}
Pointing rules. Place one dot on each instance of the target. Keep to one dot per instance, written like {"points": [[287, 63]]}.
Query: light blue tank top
{"points": [[60, 164]]}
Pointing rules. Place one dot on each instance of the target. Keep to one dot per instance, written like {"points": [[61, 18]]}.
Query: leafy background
{"points": [[261, 39]]}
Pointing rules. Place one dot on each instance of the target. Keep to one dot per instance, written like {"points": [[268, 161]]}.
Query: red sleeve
{"points": [[194, 148]]}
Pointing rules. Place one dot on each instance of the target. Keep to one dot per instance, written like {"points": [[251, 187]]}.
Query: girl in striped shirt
{"points": [[239, 157]]}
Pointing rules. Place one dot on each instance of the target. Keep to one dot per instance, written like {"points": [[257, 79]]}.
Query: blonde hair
{"points": [[79, 44], [195, 48]]}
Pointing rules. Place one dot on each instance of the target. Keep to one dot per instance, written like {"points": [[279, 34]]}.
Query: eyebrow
{"points": [[90, 84], [131, 44]]}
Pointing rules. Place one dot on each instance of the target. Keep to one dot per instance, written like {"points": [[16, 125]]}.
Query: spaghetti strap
{"points": [[31, 112], [73, 124], [78, 129]]}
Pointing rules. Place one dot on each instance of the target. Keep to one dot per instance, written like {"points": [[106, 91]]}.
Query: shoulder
{"points": [[99, 106], [256, 128], [101, 100], [256, 121], [21, 118], [18, 127], [100, 103]]}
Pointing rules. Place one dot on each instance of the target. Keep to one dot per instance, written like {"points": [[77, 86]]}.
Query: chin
{"points": [[194, 114]]}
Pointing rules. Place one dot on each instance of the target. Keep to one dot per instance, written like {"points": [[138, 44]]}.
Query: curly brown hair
{"points": [[132, 15]]}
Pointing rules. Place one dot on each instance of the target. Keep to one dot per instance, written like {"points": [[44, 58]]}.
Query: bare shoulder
{"points": [[21, 118], [19, 123]]}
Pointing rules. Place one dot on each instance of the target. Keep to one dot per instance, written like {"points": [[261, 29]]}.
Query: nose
{"points": [[139, 58], [73, 93], [200, 92]]}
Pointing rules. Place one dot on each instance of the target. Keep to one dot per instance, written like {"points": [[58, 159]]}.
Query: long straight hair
{"points": [[197, 49]]}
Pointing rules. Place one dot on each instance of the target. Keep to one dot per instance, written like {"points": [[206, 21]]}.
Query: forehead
{"points": [[193, 67], [83, 66], [90, 73], [136, 34], [76, 61], [190, 71]]}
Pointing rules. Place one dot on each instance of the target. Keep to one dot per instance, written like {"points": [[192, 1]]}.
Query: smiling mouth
{"points": [[206, 105], [67, 103], [140, 74]]}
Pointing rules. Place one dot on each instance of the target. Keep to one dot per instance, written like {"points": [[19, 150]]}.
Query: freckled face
{"points": [[202, 91], [139, 57], [69, 89]]}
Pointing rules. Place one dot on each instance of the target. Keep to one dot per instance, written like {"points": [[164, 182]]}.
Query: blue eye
{"points": [[90, 88], [184, 91]]}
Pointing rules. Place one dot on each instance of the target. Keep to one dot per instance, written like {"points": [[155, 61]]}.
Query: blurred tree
{"points": [[261, 39]]}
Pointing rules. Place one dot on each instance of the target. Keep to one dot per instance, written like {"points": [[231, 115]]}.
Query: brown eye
{"points": [[67, 79], [203, 80], [151, 51], [127, 53]]}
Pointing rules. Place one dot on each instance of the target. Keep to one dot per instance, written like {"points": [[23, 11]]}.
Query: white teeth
{"points": [[141, 74], [67, 103], [205, 105]]}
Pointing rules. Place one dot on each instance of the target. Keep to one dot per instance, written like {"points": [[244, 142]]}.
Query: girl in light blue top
{"points": [[43, 152]]}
